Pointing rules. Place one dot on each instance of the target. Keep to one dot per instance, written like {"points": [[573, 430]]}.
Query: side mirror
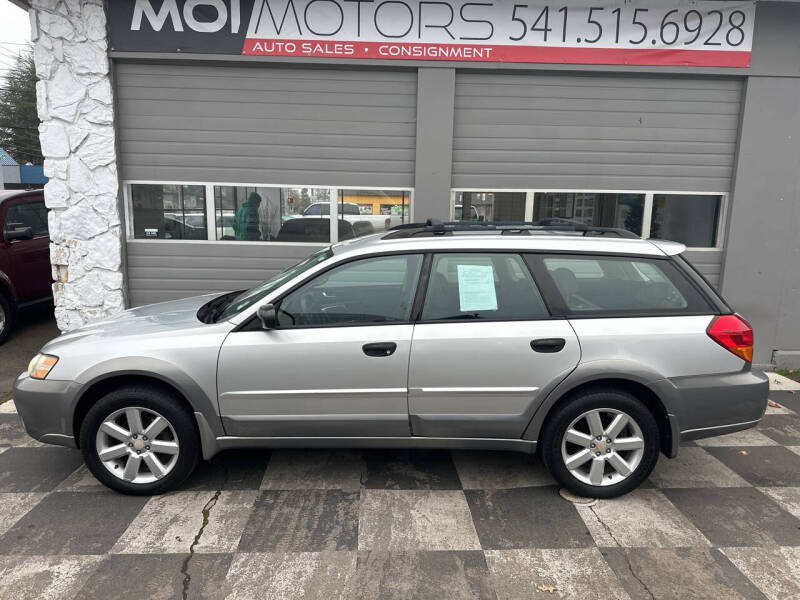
{"points": [[18, 233], [267, 316]]}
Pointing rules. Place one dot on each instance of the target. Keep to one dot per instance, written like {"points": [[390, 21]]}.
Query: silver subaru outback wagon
{"points": [[598, 351]]}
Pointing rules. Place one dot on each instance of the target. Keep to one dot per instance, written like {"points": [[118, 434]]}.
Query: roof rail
{"points": [[434, 227]]}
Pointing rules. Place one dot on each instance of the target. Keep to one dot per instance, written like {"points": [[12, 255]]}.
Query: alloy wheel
{"points": [[137, 445], [602, 447], [2, 318]]}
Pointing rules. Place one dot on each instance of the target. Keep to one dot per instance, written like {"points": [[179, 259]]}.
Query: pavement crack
{"points": [[187, 579], [610, 533]]}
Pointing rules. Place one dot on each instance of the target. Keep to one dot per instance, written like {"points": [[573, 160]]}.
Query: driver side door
{"points": [[336, 365]]}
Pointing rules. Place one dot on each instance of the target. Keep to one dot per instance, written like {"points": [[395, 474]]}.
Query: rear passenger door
{"points": [[484, 348]]}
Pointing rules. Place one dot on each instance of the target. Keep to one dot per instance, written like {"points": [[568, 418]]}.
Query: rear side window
{"points": [[481, 286], [605, 285]]}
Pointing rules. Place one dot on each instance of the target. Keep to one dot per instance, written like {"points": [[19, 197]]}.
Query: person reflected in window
{"points": [[245, 223]]}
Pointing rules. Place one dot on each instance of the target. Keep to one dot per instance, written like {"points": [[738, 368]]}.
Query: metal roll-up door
{"points": [[595, 132], [295, 126]]}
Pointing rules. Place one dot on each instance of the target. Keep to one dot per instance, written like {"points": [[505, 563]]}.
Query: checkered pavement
{"points": [[720, 521]]}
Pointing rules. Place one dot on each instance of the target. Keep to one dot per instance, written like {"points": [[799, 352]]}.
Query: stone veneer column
{"points": [[75, 106]]}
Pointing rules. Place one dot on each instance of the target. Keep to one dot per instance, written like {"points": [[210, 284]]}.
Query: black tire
{"points": [[563, 415], [10, 313], [150, 398]]}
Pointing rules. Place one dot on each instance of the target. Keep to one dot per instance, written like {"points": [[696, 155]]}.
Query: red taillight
{"points": [[733, 333]]}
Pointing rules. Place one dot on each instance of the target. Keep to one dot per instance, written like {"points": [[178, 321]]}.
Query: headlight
{"points": [[41, 365]]}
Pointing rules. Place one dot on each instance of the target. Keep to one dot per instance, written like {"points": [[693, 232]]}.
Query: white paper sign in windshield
{"points": [[476, 288]]}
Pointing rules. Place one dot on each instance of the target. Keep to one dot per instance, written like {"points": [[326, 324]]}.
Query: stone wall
{"points": [[75, 105]]}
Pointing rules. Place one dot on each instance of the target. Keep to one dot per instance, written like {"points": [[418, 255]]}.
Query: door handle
{"points": [[379, 349], [548, 345]]}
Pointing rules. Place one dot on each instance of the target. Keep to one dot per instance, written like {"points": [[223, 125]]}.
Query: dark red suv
{"points": [[25, 275]]}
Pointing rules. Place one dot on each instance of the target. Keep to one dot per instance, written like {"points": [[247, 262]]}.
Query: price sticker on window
{"points": [[476, 288]]}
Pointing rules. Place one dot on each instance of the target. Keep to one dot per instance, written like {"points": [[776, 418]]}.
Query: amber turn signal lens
{"points": [[41, 365]]}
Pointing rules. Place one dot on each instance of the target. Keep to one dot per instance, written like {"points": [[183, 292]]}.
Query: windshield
{"points": [[253, 295]]}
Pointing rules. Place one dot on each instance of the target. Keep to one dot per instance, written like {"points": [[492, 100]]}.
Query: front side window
{"points": [[171, 212], [28, 214], [593, 286], [369, 291], [687, 218], [481, 286], [272, 214]]}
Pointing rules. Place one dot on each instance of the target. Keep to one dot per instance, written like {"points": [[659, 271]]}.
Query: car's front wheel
{"points": [[140, 440], [7, 317], [601, 443]]}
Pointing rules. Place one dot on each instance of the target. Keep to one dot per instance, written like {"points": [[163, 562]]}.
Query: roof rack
{"points": [[434, 227]]}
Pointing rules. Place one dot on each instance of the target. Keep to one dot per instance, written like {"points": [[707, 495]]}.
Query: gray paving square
{"points": [[402, 575], [787, 497], [642, 518], [737, 516], [230, 470], [499, 470], [82, 480], [685, 573], [170, 523], [776, 571], [157, 577], [36, 469], [298, 469], [291, 575], [52, 577], [532, 517], [790, 400], [741, 439], [694, 467], [784, 429], [12, 433], [302, 521], [578, 573], [72, 523], [398, 520], [763, 466], [410, 470], [14, 506]]}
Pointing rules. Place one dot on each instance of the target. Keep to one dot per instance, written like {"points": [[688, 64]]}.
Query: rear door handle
{"points": [[379, 349], [548, 345]]}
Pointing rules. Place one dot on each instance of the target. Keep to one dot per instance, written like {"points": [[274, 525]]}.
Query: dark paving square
{"points": [[736, 516], [784, 429], [230, 470], [686, 573], [762, 466], [302, 521], [532, 517], [36, 469], [72, 523], [158, 576], [12, 433], [790, 400], [410, 470], [447, 574]]}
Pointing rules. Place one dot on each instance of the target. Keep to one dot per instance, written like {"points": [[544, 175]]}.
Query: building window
{"points": [[693, 219], [362, 212], [169, 211], [261, 213], [689, 219], [624, 211]]}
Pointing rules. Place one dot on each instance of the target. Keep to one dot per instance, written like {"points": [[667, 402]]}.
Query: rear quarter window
{"points": [[618, 286]]}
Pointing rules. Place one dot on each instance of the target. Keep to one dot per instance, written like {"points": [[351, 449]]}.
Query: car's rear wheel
{"points": [[7, 317], [140, 440], [601, 443]]}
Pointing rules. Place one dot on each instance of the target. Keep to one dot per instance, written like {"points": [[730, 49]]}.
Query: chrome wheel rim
{"points": [[137, 445], [2, 318], [602, 447]]}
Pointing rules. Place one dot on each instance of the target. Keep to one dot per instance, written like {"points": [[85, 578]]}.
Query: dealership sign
{"points": [[678, 33]]}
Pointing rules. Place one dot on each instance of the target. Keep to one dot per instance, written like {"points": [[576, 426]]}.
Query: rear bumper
{"points": [[710, 405], [47, 408]]}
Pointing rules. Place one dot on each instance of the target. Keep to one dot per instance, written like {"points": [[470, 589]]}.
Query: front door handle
{"points": [[548, 345], [379, 349]]}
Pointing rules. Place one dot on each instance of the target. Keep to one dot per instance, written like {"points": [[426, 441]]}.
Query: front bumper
{"points": [[47, 409]]}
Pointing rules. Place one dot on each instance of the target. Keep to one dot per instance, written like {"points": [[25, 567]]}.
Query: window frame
{"points": [[210, 209], [647, 216], [549, 290]]}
